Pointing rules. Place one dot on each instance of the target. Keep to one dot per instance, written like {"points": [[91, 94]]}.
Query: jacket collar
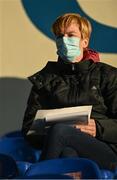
{"points": [[82, 66], [90, 57], [63, 67], [88, 62]]}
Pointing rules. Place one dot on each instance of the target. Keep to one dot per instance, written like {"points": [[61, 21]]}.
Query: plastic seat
{"points": [[16, 133], [22, 167], [115, 173], [19, 149], [106, 174], [8, 167], [88, 169]]}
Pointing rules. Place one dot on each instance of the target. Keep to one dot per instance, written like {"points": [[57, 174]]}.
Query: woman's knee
{"points": [[69, 152]]}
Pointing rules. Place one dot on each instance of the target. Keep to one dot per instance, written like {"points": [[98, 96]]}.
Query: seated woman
{"points": [[76, 79]]}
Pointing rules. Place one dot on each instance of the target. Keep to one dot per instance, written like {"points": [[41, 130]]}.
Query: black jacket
{"points": [[62, 84]]}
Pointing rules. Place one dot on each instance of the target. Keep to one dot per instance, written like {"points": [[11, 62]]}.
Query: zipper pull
{"points": [[73, 67]]}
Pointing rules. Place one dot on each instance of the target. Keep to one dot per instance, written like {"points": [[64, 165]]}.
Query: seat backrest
{"points": [[87, 168], [22, 167], [10, 134], [107, 174], [19, 149]]}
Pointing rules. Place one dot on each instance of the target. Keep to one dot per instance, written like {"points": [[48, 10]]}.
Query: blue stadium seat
{"points": [[22, 167], [115, 173], [107, 174], [88, 168], [16, 133], [19, 149], [8, 167]]}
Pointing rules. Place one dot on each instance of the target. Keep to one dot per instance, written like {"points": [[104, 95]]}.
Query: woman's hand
{"points": [[90, 128]]}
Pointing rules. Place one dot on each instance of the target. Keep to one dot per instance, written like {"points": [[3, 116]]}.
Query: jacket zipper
{"points": [[73, 67]]}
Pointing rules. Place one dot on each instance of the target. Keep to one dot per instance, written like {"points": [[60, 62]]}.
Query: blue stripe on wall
{"points": [[42, 13]]}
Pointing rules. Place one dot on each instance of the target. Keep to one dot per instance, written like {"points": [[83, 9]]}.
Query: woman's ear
{"points": [[85, 43]]}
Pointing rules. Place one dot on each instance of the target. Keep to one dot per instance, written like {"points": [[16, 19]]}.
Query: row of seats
{"points": [[19, 160]]}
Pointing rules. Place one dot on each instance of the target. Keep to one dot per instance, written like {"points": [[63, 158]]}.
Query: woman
{"points": [[76, 79]]}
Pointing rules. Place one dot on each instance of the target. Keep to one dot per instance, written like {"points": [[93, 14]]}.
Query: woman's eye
{"points": [[71, 35]]}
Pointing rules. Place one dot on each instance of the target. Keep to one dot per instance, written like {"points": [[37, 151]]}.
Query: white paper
{"points": [[64, 113]]}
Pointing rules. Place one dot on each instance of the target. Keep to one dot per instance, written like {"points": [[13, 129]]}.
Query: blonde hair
{"points": [[66, 19]]}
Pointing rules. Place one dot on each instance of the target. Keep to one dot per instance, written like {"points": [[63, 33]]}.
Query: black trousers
{"points": [[66, 141]]}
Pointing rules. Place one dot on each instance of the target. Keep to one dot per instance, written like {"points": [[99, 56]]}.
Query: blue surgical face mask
{"points": [[68, 48]]}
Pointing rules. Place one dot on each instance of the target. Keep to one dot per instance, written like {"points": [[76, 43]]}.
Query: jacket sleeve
{"points": [[107, 126], [33, 105]]}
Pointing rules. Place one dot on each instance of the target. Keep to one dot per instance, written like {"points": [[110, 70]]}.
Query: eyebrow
{"points": [[72, 32]]}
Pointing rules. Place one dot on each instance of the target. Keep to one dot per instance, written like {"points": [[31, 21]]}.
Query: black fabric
{"points": [[65, 141], [62, 84]]}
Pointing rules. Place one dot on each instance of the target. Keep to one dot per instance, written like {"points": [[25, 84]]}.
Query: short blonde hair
{"points": [[66, 19]]}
